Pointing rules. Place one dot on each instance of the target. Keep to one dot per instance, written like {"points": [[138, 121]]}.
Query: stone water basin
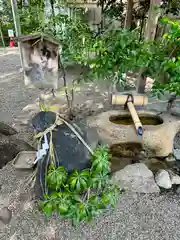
{"points": [[159, 129]]}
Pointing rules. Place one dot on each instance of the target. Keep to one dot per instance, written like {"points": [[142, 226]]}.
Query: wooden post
{"points": [[17, 28]]}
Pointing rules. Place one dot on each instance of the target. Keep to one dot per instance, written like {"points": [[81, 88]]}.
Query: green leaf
{"points": [[100, 160], [79, 180], [94, 201], [165, 20], [56, 177], [98, 180], [78, 186], [85, 173], [76, 198], [105, 199], [84, 183], [63, 208], [81, 212], [48, 209]]}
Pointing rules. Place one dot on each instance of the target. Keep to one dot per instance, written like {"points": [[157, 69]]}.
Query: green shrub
{"points": [[81, 195]]}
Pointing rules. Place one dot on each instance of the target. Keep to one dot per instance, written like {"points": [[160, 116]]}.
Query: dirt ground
{"points": [[136, 217]]}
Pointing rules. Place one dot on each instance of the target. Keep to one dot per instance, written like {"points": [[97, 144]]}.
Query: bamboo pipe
{"points": [[117, 99], [135, 118], [130, 101]]}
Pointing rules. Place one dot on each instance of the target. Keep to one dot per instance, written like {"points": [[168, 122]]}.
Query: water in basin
{"points": [[127, 120]]}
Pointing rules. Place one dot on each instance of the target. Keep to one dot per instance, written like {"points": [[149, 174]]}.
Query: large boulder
{"points": [[69, 150], [136, 178], [10, 144]]}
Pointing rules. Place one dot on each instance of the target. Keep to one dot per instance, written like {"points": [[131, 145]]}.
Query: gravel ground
{"points": [[13, 95], [137, 217]]}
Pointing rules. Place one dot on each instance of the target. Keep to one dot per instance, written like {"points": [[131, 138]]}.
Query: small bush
{"points": [[81, 195]]}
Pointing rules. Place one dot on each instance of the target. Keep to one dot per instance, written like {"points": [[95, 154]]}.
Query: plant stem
{"points": [[174, 49], [86, 196], [69, 102], [88, 193]]}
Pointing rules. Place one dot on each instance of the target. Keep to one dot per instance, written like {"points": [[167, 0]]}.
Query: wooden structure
{"points": [[41, 61], [82, 3]]}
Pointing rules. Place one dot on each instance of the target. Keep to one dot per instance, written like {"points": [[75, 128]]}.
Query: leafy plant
{"points": [[100, 160], [56, 177], [117, 52], [81, 195], [78, 181], [46, 108], [112, 8], [76, 37], [163, 62]]}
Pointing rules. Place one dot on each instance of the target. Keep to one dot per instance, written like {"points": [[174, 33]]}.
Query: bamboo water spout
{"points": [[129, 101]]}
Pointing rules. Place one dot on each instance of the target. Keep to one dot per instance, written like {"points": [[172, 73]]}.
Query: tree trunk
{"points": [[141, 82], [142, 23], [150, 33], [53, 15], [128, 19], [2, 38], [153, 16]]}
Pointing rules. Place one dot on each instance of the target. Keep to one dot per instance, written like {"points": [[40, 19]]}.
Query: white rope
{"points": [[42, 151]]}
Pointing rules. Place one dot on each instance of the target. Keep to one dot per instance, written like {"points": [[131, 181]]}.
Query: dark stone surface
{"points": [[10, 144], [43, 120], [6, 129], [177, 141], [69, 150]]}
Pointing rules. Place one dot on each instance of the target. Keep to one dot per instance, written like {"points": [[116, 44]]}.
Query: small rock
{"points": [[178, 190], [89, 103], [176, 153], [24, 122], [175, 179], [5, 215], [143, 153], [20, 70], [177, 137], [170, 159], [24, 160], [137, 178], [100, 105], [162, 179]]}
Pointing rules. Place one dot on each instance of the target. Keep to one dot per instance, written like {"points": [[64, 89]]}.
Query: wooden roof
{"points": [[24, 38]]}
